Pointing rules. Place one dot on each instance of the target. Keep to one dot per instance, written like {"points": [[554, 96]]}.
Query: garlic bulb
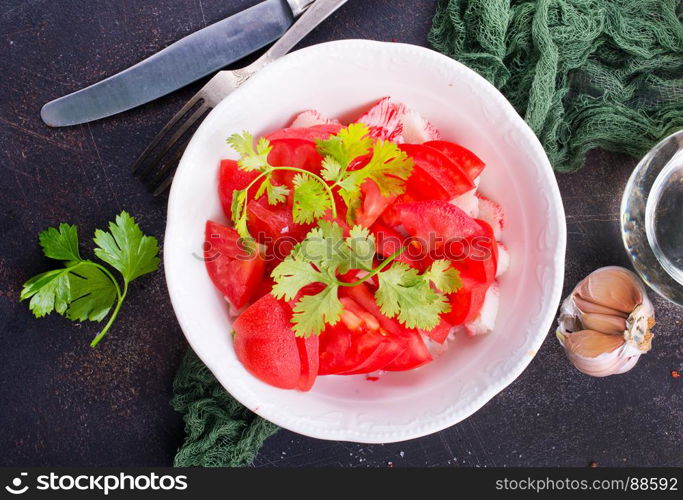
{"points": [[604, 324]]}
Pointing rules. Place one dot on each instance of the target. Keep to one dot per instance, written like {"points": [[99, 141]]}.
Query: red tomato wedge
{"points": [[431, 165], [436, 222], [358, 343], [415, 355], [271, 223], [309, 357], [482, 258], [388, 241], [309, 133], [465, 159], [439, 333], [362, 295], [373, 204], [266, 345], [232, 177], [466, 302], [406, 338], [298, 153], [234, 269]]}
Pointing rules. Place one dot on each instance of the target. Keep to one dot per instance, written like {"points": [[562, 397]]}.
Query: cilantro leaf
{"points": [[291, 275], [313, 312], [92, 293], [325, 247], [389, 168], [331, 170], [311, 200], [325, 253], [275, 193], [347, 145], [362, 245], [404, 294], [60, 244], [252, 159], [444, 276], [126, 248]]}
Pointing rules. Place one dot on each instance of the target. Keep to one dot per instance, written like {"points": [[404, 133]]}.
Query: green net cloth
{"points": [[220, 432], [583, 73]]}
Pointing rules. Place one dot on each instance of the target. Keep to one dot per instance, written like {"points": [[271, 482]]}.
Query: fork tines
{"points": [[157, 163]]}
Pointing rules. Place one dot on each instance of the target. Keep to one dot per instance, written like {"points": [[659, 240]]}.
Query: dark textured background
{"points": [[62, 403]]}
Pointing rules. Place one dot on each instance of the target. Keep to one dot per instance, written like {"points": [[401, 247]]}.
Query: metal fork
{"points": [[157, 163]]}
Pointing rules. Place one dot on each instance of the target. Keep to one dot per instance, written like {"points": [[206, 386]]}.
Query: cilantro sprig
{"points": [[313, 194], [84, 289], [415, 299], [311, 202]]}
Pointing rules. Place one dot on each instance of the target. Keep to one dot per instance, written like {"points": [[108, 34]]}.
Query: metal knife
{"points": [[179, 64]]}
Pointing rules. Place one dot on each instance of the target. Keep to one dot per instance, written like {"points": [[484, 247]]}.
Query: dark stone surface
{"points": [[62, 403]]}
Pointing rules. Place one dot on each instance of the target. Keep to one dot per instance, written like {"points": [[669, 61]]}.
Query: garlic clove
{"points": [[587, 306], [611, 287], [591, 344], [606, 323]]}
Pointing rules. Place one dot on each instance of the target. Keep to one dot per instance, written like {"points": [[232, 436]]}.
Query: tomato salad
{"points": [[353, 249]]}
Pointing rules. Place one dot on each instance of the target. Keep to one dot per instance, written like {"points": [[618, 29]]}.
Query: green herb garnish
{"points": [[415, 299], [313, 195], [84, 289]]}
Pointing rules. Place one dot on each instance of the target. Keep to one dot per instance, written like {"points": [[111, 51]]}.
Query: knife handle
{"points": [[316, 14]]}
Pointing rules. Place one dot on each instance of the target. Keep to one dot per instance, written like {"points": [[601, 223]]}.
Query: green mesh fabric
{"points": [[220, 432], [582, 73]]}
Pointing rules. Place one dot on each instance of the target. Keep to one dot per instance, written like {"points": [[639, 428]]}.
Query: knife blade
{"points": [[179, 64]]}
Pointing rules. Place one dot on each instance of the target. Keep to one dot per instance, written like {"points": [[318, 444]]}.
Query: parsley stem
{"points": [[122, 295], [376, 270]]}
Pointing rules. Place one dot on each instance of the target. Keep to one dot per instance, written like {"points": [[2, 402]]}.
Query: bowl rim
{"points": [[545, 320]]}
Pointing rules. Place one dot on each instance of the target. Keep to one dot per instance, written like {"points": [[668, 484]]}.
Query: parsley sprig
{"points": [[313, 195], [86, 290], [415, 299]]}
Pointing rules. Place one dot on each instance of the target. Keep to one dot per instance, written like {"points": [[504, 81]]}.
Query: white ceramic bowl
{"points": [[340, 79]]}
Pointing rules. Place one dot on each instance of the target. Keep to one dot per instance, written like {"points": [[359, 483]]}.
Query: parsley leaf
{"points": [[83, 289], [60, 244], [126, 249], [92, 293], [49, 291]]}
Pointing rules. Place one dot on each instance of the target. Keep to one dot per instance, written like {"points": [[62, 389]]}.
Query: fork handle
{"points": [[316, 14]]}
